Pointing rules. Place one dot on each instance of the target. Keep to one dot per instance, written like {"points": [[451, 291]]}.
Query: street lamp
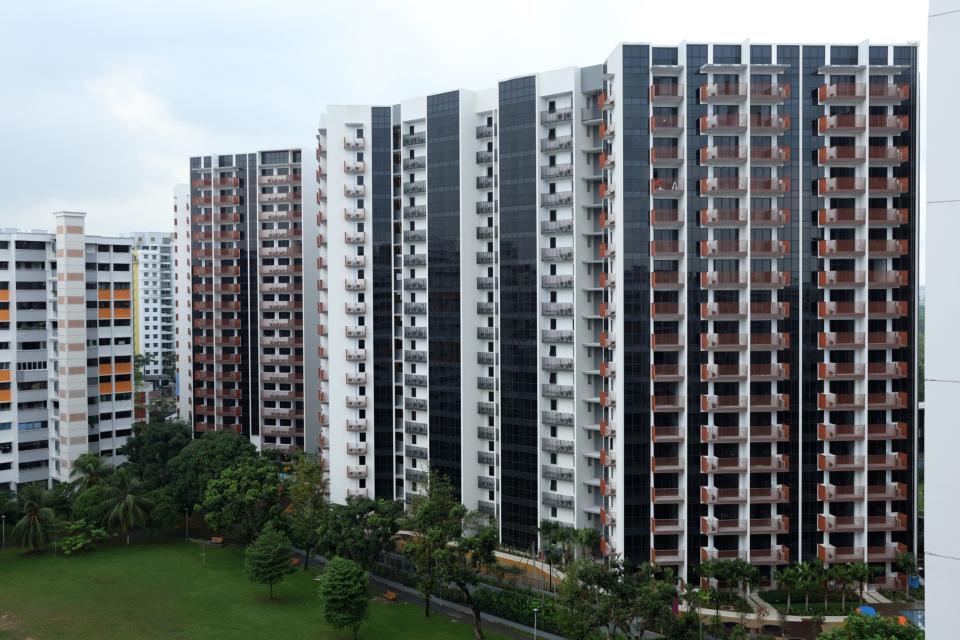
{"points": [[3, 531], [186, 525], [535, 611]]}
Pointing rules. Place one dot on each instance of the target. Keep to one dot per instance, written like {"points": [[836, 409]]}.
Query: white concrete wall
{"points": [[942, 393]]}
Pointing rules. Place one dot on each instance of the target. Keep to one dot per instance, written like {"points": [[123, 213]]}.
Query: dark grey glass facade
{"points": [[443, 276], [518, 311]]}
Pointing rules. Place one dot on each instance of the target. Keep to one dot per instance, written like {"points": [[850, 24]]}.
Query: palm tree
{"points": [[125, 507], [861, 572], [842, 576], [787, 579], [33, 529], [89, 469]]}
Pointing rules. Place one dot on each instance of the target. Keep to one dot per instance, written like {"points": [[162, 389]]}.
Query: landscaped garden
{"points": [[179, 590]]}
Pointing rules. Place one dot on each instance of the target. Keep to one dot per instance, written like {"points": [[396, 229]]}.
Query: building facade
{"points": [[671, 297], [153, 307], [239, 302], [66, 350]]}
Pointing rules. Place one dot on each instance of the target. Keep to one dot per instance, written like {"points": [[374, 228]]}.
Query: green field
{"points": [[168, 590]]}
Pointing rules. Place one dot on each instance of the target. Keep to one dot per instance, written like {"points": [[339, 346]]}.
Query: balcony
{"points": [[889, 186], [354, 238], [776, 494], [840, 370], [845, 156], [842, 279], [723, 341], [548, 172], [557, 418], [666, 125], [663, 218], [881, 279], [355, 308], [560, 500], [891, 125], [722, 372], [562, 198], [713, 495], [769, 155], [415, 187], [723, 248], [414, 139], [774, 371], [666, 156], [888, 156], [552, 227], [887, 400], [561, 114], [722, 92], [711, 433], [667, 403], [887, 370], [841, 125], [556, 445], [412, 212], [415, 235], [889, 93], [769, 186], [556, 390], [560, 143], [723, 186], [415, 308], [667, 557], [722, 155], [723, 123], [666, 188], [722, 404], [356, 355], [556, 254], [774, 464], [666, 280], [723, 279], [412, 164], [888, 339], [723, 217], [552, 336], [841, 217], [840, 402], [485, 131], [769, 124], [665, 310], [841, 93], [841, 248], [710, 526], [770, 433], [665, 249], [660, 464], [841, 186], [666, 342], [556, 308], [769, 92], [666, 93], [552, 363]]}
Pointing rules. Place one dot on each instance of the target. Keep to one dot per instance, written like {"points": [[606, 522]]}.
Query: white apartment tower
{"points": [[153, 304]]}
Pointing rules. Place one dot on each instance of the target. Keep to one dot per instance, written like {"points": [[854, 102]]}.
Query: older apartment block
{"points": [[671, 296], [66, 350]]}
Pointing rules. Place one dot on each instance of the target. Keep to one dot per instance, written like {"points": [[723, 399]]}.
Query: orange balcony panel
{"points": [[103, 294], [124, 386], [665, 124], [723, 217], [840, 309], [121, 294], [896, 92], [841, 217], [894, 155], [106, 388], [839, 370], [844, 123], [603, 190], [102, 314], [5, 395], [841, 92], [843, 185], [105, 369], [122, 313], [841, 155], [889, 185], [666, 92], [5, 375], [888, 339], [889, 124], [666, 155], [889, 217]]}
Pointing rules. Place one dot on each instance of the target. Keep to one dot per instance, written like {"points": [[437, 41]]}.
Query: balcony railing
{"points": [[723, 123], [723, 92], [841, 92], [841, 124]]}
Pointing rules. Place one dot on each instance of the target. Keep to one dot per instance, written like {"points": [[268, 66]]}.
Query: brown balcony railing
{"points": [[666, 124], [723, 123], [889, 217], [841, 92], [723, 217], [889, 124], [841, 155], [769, 123], [843, 123], [889, 185], [723, 309]]}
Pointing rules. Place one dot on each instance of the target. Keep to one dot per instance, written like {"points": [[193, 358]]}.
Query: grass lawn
{"points": [[167, 590]]}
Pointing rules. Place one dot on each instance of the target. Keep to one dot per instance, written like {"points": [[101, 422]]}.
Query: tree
{"points": [[435, 520], [268, 559], [359, 530], [861, 627], [244, 498], [152, 446], [343, 587], [88, 503], [465, 555], [788, 578], [35, 527], [89, 469], [842, 576], [202, 460], [308, 505], [861, 573], [164, 514], [906, 563], [124, 506], [583, 600]]}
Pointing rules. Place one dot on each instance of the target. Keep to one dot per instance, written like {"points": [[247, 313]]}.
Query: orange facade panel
{"points": [[124, 386]]}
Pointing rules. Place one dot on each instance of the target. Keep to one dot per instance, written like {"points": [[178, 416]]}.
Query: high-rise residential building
{"points": [[153, 307], [66, 350], [239, 284], [670, 296]]}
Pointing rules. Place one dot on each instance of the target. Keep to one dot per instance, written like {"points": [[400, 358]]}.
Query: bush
{"points": [[81, 537], [518, 606]]}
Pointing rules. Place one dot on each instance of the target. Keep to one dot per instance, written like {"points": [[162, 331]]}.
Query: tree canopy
{"points": [[244, 498], [343, 588], [202, 460], [359, 530], [152, 446], [268, 559]]}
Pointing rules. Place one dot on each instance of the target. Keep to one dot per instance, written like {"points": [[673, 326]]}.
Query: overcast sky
{"points": [[102, 103]]}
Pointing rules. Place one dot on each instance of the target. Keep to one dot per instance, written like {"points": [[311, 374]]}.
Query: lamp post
{"points": [[186, 525], [3, 531], [535, 611]]}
